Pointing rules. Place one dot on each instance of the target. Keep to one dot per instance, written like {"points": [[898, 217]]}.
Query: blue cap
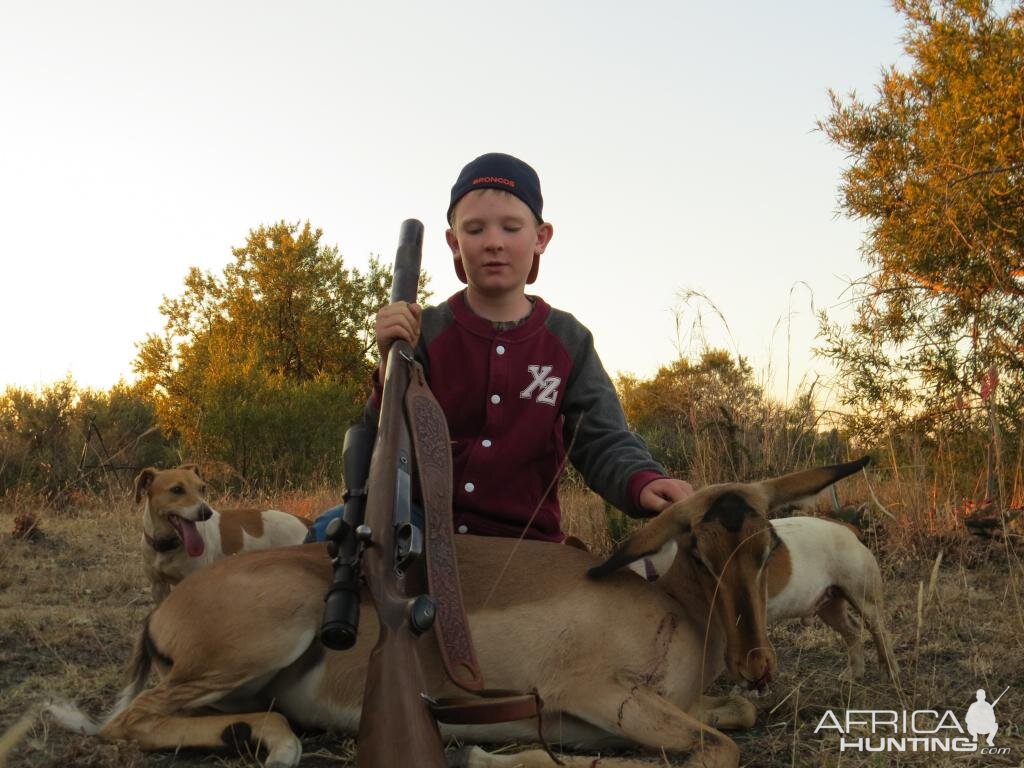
{"points": [[499, 171]]}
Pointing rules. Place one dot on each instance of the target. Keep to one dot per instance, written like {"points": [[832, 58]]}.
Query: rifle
{"points": [[376, 537]]}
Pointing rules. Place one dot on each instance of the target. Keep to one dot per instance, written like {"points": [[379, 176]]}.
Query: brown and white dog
{"points": [[181, 532], [820, 568]]}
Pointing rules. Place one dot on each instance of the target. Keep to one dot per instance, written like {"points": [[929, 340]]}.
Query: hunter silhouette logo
{"points": [[981, 717], [922, 730], [548, 385]]}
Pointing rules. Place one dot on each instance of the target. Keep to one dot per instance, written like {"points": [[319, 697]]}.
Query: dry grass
{"points": [[72, 599]]}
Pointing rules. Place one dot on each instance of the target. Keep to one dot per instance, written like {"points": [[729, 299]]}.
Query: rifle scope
{"points": [[340, 625]]}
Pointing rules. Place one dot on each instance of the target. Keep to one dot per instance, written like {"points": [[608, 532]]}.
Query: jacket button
{"points": [[463, 529], [485, 443], [469, 487], [500, 350], [495, 399]]}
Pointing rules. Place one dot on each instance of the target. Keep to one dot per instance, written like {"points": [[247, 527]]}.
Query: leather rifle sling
{"points": [[432, 447]]}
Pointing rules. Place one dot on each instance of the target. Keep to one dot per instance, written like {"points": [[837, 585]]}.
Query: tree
{"points": [[710, 421], [64, 438], [35, 430], [264, 366], [937, 173]]}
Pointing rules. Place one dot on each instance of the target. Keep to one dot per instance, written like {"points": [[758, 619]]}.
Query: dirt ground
{"points": [[72, 600]]}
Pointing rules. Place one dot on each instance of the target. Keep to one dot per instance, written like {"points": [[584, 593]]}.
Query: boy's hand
{"points": [[396, 321], [660, 493]]}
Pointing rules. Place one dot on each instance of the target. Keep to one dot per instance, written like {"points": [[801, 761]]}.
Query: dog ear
{"points": [[672, 522], [143, 481], [194, 468]]}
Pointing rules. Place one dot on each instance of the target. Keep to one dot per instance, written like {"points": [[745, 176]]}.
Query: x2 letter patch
{"points": [[542, 382]]}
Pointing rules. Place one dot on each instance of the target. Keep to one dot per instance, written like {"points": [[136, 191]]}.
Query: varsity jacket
{"points": [[516, 400]]}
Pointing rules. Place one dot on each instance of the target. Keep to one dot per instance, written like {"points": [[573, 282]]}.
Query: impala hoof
{"points": [[285, 755]]}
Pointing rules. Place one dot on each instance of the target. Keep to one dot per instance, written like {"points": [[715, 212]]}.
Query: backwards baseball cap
{"points": [[499, 171]]}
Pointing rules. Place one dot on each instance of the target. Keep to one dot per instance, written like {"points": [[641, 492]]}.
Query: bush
{"points": [[63, 438], [709, 421]]}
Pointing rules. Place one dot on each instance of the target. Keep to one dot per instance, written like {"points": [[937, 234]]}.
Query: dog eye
{"points": [[177, 490]]}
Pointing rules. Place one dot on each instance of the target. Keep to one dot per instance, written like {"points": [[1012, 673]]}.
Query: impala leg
{"points": [[649, 720], [731, 712], [153, 720], [474, 757], [638, 715]]}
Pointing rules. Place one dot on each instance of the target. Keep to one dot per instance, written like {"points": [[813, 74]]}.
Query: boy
{"points": [[519, 382]]}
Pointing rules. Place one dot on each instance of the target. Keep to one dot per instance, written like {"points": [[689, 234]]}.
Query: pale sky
{"points": [[675, 143]]}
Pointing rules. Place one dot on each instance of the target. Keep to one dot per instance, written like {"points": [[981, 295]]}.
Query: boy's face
{"points": [[496, 236]]}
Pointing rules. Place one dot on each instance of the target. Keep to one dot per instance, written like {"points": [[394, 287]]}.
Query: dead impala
{"points": [[618, 662]]}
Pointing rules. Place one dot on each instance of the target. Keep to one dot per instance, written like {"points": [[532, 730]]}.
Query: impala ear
{"points": [[805, 484], [142, 481], [672, 522]]}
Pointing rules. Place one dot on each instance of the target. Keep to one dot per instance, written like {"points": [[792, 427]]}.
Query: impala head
{"points": [[725, 543], [728, 547]]}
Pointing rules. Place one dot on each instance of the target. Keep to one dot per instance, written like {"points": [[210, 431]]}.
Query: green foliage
{"points": [[710, 421], [265, 366], [936, 165], [34, 434], [63, 439], [936, 168]]}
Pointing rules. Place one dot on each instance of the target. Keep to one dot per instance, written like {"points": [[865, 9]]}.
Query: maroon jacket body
{"points": [[516, 400]]}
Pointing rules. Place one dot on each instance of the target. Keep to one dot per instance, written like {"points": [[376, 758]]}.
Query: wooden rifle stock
{"points": [[397, 727]]}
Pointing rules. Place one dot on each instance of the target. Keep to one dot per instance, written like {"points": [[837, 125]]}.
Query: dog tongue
{"points": [[193, 541]]}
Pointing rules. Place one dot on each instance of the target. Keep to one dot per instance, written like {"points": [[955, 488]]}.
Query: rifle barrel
{"points": [[406, 280]]}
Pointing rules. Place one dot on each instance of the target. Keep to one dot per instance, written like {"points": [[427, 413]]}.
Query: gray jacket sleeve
{"points": [[599, 442]]}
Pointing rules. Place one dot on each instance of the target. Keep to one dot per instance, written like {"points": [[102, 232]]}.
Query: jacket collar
{"points": [[480, 326]]}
